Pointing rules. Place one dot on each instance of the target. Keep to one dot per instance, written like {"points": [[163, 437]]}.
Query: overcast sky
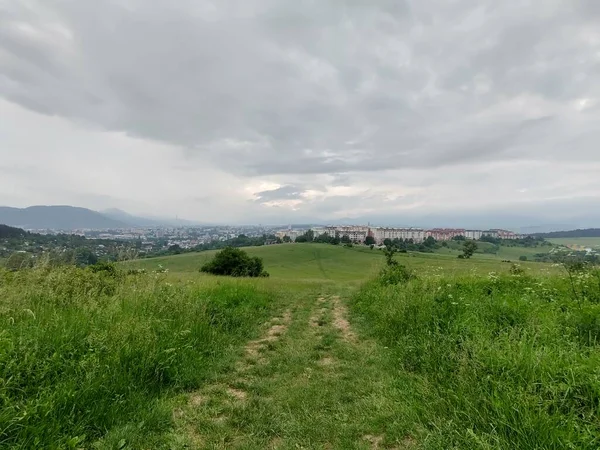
{"points": [[282, 111]]}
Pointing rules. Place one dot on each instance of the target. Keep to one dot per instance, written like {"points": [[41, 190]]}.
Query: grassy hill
{"points": [[287, 261], [322, 354], [323, 262], [578, 242]]}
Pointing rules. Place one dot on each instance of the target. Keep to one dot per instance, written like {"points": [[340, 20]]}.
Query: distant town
{"points": [[154, 239]]}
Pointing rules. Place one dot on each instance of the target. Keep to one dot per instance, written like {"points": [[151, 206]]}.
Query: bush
{"points": [[108, 268], [523, 258], [395, 274], [236, 263], [516, 269]]}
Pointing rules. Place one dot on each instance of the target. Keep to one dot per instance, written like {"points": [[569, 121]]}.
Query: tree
{"points": [[429, 242], [301, 238], [345, 239], [85, 257], [236, 263], [310, 235], [370, 240], [389, 256], [175, 249], [286, 238], [387, 242], [469, 248]]}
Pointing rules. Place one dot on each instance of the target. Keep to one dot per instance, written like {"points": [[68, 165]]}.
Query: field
{"points": [[317, 262], [593, 243], [323, 262], [470, 354]]}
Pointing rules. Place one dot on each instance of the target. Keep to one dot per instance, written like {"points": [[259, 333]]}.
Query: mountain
{"points": [[7, 232], [129, 219], [586, 233], [139, 221], [57, 218]]}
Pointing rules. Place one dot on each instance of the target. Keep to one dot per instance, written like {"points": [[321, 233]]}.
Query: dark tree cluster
{"points": [[236, 263]]}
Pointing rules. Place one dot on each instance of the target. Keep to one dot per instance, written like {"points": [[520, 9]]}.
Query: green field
{"points": [[593, 243], [470, 354], [323, 262], [288, 261]]}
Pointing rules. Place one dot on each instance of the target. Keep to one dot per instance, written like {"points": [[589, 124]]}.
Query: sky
{"points": [[414, 112]]}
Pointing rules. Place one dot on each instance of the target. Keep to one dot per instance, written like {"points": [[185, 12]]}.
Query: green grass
{"points": [[593, 243], [330, 263], [465, 356], [84, 353], [503, 252], [287, 261], [492, 362]]}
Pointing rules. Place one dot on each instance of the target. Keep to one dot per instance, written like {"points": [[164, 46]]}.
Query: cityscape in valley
{"points": [[359, 234]]}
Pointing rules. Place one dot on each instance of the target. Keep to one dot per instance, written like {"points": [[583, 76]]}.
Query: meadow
{"points": [[593, 243], [322, 354], [324, 262]]}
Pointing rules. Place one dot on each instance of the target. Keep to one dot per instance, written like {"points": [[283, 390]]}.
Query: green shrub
{"points": [[395, 274], [236, 263], [516, 269], [522, 258]]}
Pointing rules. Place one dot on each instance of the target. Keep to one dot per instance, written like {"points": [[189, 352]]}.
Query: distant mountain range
{"points": [[57, 218], [66, 218]]}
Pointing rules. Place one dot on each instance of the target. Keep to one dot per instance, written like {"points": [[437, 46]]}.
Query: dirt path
{"points": [[309, 382]]}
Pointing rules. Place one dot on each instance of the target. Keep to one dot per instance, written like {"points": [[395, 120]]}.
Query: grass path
{"points": [[309, 382]]}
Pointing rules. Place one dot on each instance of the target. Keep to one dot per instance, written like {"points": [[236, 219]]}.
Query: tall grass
{"points": [[494, 362], [82, 353]]}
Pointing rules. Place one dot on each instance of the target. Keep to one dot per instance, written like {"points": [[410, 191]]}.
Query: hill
{"points": [[129, 219], [315, 356], [286, 261], [7, 232], [324, 262], [139, 221], [579, 233], [57, 217]]}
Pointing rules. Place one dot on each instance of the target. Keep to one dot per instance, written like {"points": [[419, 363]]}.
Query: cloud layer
{"points": [[284, 110]]}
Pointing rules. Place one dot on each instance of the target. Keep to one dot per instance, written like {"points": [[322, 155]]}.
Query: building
{"points": [[474, 234], [445, 234]]}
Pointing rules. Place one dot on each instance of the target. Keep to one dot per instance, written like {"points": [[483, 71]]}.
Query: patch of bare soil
{"points": [[340, 322], [279, 327], [374, 441], [316, 319], [253, 349], [238, 394], [326, 361]]}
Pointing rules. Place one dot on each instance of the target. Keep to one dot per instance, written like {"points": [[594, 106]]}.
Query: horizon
{"points": [[164, 222]]}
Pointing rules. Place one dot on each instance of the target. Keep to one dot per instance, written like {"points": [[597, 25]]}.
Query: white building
{"points": [[473, 234]]}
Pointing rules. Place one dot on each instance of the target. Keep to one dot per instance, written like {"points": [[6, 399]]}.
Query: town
{"points": [[359, 234], [154, 239]]}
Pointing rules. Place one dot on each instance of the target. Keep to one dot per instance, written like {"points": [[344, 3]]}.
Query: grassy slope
{"points": [[323, 262], [488, 362], [581, 242], [288, 261], [82, 353], [87, 357], [503, 252]]}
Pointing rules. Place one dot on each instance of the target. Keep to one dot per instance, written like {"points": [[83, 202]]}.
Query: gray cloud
{"points": [[291, 91], [282, 193]]}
